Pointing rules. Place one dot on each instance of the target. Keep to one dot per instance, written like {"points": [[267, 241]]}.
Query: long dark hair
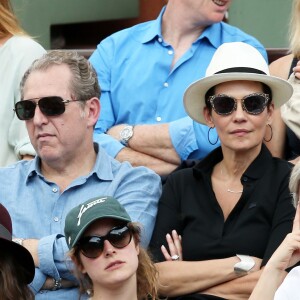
{"points": [[12, 279]]}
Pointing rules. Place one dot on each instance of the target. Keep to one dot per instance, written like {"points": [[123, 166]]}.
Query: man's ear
{"points": [[93, 110], [208, 117]]}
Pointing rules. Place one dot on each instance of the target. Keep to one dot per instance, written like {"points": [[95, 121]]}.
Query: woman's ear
{"points": [[208, 117]]}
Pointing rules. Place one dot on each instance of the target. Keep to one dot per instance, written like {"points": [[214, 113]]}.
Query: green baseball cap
{"points": [[81, 216]]}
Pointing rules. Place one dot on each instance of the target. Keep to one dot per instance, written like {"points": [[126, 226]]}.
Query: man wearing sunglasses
{"points": [[144, 71], [60, 106]]}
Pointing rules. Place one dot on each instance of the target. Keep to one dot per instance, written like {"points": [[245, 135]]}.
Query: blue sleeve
{"points": [[102, 60], [53, 262], [111, 145], [190, 139], [141, 198], [38, 281], [183, 137]]}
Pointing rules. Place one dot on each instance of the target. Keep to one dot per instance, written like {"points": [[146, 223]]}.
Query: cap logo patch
{"points": [[84, 208]]}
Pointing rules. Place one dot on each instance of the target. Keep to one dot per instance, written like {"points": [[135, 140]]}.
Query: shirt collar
{"points": [[153, 30], [255, 170], [102, 167], [213, 34]]}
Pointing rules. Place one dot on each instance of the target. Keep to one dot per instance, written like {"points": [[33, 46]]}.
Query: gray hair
{"points": [[294, 183], [84, 83]]}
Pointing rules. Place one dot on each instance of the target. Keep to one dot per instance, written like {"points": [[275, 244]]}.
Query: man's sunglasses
{"points": [[49, 106], [253, 104], [92, 246]]}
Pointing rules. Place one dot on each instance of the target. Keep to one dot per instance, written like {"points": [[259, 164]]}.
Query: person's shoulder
{"points": [[235, 33], [19, 167], [25, 43], [281, 66], [131, 32]]}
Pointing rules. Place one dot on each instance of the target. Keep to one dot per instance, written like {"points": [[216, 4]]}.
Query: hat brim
{"points": [[194, 96], [83, 229], [22, 256]]}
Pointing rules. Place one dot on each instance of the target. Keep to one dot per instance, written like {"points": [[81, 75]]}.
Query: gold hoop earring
{"points": [[271, 134]]}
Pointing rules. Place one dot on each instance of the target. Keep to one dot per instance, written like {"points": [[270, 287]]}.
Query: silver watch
{"points": [[245, 265], [126, 134], [18, 241]]}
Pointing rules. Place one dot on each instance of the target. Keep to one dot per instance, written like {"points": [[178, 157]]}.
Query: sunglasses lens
{"points": [[255, 104], [223, 105], [25, 109], [52, 106], [119, 237], [92, 246]]}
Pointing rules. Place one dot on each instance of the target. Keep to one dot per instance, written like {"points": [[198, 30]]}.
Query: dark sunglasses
{"points": [[92, 246], [253, 104], [49, 106]]}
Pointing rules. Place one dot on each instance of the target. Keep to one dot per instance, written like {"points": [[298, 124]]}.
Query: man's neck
{"points": [[64, 172]]}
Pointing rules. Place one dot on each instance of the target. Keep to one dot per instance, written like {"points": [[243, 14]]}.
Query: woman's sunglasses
{"points": [[253, 104], [92, 246], [49, 106]]}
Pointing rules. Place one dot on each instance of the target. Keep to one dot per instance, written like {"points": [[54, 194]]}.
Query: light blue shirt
{"points": [[140, 87], [38, 209]]}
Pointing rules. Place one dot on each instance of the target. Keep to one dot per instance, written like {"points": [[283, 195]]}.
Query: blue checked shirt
{"points": [[38, 209]]}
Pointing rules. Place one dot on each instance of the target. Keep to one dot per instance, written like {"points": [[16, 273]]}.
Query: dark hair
{"points": [[12, 278], [146, 272]]}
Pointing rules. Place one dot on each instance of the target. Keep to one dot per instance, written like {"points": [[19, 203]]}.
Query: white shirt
{"points": [[16, 55], [290, 287]]}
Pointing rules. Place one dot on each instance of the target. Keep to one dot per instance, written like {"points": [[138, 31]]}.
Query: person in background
{"points": [[143, 72], [233, 208], [60, 106], [275, 283], [105, 248], [16, 264], [286, 139], [17, 51]]}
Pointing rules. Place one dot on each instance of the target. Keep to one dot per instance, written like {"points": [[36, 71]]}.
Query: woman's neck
{"points": [[116, 292]]}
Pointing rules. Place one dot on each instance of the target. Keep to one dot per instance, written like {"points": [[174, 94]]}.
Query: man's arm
{"points": [[140, 159], [153, 140]]}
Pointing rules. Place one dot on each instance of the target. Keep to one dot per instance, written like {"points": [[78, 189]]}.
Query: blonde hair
{"points": [[146, 273], [294, 32], [9, 24], [294, 183]]}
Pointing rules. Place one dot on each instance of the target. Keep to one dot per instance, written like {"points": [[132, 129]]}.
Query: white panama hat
{"points": [[234, 61]]}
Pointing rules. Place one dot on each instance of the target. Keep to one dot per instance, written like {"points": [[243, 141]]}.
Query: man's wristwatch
{"points": [[126, 134], [245, 265]]}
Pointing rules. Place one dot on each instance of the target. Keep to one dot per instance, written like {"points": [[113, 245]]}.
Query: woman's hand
{"points": [[174, 244]]}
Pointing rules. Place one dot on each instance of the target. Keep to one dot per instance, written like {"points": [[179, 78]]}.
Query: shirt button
{"points": [[245, 179], [158, 119], [159, 39], [54, 190], [166, 84], [56, 219], [170, 52]]}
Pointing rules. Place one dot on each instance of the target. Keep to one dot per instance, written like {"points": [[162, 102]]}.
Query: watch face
{"points": [[126, 132]]}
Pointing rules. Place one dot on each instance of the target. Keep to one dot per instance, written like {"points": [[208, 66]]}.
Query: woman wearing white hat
{"points": [[234, 208]]}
